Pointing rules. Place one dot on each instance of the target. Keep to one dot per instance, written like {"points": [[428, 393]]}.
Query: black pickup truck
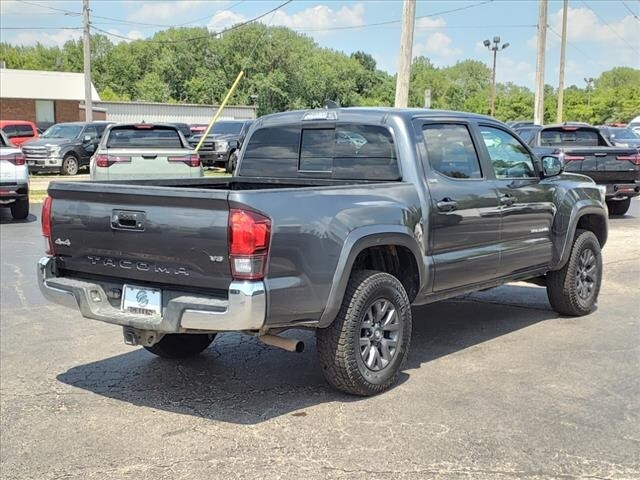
{"points": [[222, 146], [584, 150], [337, 220]]}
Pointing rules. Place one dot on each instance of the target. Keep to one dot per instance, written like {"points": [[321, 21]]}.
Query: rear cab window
{"points": [[144, 136], [342, 151], [571, 136]]}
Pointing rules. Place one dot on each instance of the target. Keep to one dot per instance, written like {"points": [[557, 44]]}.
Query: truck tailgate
{"points": [[603, 164], [142, 233]]}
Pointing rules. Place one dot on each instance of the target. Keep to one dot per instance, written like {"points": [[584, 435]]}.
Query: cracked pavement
{"points": [[496, 386]]}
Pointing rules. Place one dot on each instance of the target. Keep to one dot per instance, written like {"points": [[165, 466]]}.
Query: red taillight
{"points": [[572, 158], [191, 160], [15, 158], [249, 235], [634, 158], [46, 225], [108, 160]]}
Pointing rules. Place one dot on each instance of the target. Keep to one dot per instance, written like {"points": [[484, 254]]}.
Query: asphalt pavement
{"points": [[497, 385]]}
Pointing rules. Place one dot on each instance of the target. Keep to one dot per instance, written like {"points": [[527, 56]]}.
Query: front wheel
{"points": [[573, 290], [181, 345], [70, 165], [363, 350], [619, 207]]}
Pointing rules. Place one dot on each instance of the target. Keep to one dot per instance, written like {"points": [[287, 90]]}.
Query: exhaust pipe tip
{"points": [[288, 344]]}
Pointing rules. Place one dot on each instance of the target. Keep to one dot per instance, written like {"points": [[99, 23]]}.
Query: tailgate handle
{"points": [[149, 157], [127, 220], [603, 154]]}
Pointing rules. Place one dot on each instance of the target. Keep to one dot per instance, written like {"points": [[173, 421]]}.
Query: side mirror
{"points": [[552, 166], [87, 138]]}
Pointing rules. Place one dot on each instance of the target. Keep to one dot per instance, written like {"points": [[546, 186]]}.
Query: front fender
{"points": [[357, 241], [566, 231]]}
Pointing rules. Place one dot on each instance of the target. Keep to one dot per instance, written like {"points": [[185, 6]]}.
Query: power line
{"points": [[129, 22], [132, 22], [66, 12], [390, 22], [41, 28], [635, 15], [611, 28], [571, 44], [199, 37]]}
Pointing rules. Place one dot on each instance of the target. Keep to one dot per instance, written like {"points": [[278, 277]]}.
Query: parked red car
{"points": [[19, 131]]}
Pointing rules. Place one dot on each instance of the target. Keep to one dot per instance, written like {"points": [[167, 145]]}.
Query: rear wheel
{"points": [[181, 345], [232, 162], [70, 165], [573, 290], [363, 350], [619, 207], [20, 209]]}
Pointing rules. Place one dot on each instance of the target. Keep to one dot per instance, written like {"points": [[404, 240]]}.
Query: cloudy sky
{"points": [[601, 33]]}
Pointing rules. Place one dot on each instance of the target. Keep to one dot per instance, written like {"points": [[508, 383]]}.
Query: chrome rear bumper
{"points": [[243, 309]]}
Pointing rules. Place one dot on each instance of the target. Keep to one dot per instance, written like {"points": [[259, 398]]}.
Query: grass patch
{"points": [[37, 196], [218, 172]]}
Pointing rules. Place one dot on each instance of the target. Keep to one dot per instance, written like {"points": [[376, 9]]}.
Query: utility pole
{"points": [[406, 45], [495, 48], [88, 105], [589, 81], [538, 111], [563, 50]]}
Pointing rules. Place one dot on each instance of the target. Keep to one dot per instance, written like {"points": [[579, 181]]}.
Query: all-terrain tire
{"points": [[181, 345], [566, 288], [340, 346], [618, 207]]}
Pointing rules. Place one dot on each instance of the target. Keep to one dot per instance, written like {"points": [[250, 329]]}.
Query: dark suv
{"points": [[64, 147]]}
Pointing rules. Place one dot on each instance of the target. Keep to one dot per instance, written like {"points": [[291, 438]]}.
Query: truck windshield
{"points": [[62, 131], [223, 128], [571, 136], [144, 136]]}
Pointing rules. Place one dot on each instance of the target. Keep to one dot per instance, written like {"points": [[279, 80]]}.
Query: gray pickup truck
{"points": [[337, 220]]}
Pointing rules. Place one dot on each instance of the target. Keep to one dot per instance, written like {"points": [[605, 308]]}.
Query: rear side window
{"points": [[451, 152], [348, 151], [127, 136], [567, 136]]}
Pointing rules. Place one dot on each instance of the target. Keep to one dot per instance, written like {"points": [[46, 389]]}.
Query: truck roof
{"points": [[365, 114]]}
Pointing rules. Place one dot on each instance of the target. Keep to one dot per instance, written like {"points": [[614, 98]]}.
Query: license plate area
{"points": [[141, 301]]}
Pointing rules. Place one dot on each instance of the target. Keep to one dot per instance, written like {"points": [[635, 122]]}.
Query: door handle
{"points": [[508, 199], [447, 205]]}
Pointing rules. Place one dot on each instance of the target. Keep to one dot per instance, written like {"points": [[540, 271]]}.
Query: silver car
{"points": [[14, 179], [144, 151]]}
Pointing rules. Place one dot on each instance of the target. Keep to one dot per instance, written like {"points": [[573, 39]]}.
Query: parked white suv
{"points": [[144, 151], [14, 179]]}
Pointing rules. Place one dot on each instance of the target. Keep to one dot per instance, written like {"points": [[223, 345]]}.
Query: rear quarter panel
{"points": [[309, 230]]}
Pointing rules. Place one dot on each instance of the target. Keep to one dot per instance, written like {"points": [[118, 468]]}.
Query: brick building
{"points": [[44, 97]]}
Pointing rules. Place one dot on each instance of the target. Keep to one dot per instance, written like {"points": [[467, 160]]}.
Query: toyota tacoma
{"points": [[337, 220]]}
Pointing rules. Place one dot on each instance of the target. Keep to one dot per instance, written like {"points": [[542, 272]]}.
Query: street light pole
{"points": [[86, 40], [495, 48]]}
